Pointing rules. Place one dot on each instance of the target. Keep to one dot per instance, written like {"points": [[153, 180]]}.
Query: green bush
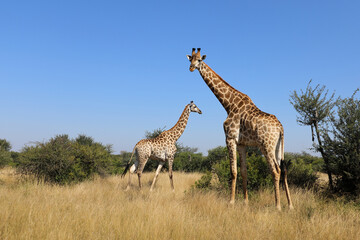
{"points": [[316, 163], [63, 161], [119, 161], [300, 173], [188, 162], [257, 172], [204, 182], [302, 169]]}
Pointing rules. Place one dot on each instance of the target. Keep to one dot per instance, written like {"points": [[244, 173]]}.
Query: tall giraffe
{"points": [[161, 148], [245, 125]]}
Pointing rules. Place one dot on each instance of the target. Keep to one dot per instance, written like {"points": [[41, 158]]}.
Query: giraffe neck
{"points": [[224, 92], [177, 130]]}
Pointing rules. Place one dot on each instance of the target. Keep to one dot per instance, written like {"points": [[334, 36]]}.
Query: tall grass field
{"points": [[101, 209]]}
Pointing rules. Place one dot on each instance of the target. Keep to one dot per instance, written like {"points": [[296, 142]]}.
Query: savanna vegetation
{"points": [[100, 209], [70, 188]]}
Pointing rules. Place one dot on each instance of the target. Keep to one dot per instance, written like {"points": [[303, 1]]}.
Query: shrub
{"points": [[204, 182], [302, 169], [188, 162], [300, 173], [64, 161], [257, 171]]}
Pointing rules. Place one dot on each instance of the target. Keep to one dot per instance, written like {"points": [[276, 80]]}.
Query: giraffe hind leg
{"points": [[131, 171], [140, 168], [270, 155], [287, 189], [171, 160], [279, 154], [243, 170], [283, 175]]}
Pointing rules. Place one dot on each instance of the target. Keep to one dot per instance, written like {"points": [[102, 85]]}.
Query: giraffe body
{"points": [[245, 125], [162, 148]]}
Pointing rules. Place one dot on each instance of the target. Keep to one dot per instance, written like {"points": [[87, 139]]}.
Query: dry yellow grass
{"points": [[98, 209]]}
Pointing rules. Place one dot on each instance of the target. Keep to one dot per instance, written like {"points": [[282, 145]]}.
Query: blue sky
{"points": [[115, 69]]}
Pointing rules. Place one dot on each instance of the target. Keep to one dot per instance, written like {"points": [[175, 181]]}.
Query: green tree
{"points": [[181, 148], [5, 145], [315, 106], [154, 133], [5, 154], [342, 143], [84, 140], [216, 155]]}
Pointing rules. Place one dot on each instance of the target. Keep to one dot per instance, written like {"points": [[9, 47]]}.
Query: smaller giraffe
{"points": [[161, 148]]}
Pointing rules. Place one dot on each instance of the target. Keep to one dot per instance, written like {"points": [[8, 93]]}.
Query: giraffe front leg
{"points": [[231, 145], [161, 164], [243, 171]]}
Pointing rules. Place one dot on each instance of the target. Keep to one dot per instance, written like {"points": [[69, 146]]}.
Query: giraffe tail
{"points": [[283, 163], [128, 164]]}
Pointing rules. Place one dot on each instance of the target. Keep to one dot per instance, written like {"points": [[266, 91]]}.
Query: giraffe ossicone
{"points": [[161, 148], [245, 125]]}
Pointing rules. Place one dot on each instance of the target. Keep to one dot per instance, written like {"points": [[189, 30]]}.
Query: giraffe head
{"points": [[195, 59], [194, 108]]}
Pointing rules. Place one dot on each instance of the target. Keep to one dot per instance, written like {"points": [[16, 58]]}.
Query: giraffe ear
{"points": [[189, 57], [203, 57]]}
